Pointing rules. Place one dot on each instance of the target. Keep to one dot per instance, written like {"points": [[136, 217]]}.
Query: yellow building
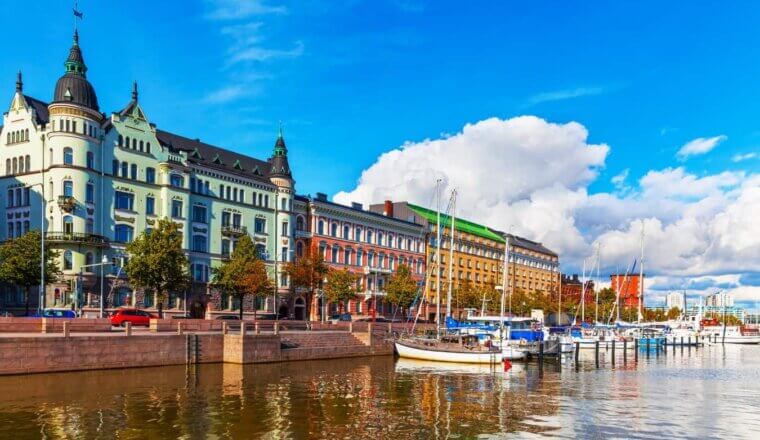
{"points": [[532, 266]]}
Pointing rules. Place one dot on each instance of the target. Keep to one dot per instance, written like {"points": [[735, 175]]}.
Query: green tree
{"points": [[307, 272], [244, 273], [341, 286], [401, 288], [466, 296], [20, 263], [157, 261]]}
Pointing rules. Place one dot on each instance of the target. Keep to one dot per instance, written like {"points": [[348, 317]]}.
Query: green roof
{"points": [[461, 225]]}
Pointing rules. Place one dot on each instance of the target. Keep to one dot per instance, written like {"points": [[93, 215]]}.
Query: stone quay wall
{"points": [[46, 353]]}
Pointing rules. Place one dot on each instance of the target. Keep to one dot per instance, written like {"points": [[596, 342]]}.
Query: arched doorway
{"points": [[283, 311], [300, 309]]}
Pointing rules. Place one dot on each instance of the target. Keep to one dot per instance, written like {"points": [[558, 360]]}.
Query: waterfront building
{"points": [[369, 244], [572, 289], [719, 299], [478, 255], [628, 288], [717, 311], [93, 182], [677, 300]]}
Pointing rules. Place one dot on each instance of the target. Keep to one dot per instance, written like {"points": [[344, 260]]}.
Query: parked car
{"points": [[229, 317], [56, 313], [135, 316]]}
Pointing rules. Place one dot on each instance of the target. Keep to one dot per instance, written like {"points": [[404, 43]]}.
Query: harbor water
{"points": [[710, 392]]}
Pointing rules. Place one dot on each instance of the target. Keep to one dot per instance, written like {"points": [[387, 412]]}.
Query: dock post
{"points": [[625, 351], [559, 355], [648, 347], [596, 353], [541, 355], [276, 327], [689, 343], [636, 350], [128, 328], [66, 329], [696, 342], [577, 354], [613, 352], [242, 328]]}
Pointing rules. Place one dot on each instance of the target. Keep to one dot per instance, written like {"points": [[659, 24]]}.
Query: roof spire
{"points": [[134, 91], [279, 136], [279, 146], [19, 83], [76, 37]]}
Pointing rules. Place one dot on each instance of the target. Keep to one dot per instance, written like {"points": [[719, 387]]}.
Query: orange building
{"points": [[629, 288]]}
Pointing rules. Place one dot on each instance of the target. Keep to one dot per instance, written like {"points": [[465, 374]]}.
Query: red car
{"points": [[135, 316]]}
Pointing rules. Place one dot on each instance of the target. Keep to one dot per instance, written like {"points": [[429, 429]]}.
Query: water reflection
{"points": [[708, 393]]}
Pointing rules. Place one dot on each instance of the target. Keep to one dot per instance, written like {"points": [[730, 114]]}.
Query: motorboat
{"points": [[734, 334]]}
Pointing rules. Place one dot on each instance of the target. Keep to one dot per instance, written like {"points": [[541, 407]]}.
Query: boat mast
{"points": [[559, 301], [583, 294], [453, 204], [503, 287], [596, 286], [438, 259], [641, 274]]}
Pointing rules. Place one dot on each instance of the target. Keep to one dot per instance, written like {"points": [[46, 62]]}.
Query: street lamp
{"points": [[102, 265], [41, 300]]}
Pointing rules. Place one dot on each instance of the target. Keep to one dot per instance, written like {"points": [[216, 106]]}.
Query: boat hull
{"points": [[460, 357]]}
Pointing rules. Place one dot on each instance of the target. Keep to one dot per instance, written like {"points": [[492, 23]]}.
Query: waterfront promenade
{"points": [[92, 344]]}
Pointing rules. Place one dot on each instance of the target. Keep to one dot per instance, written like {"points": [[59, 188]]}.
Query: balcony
{"points": [[77, 237], [234, 231], [67, 203]]}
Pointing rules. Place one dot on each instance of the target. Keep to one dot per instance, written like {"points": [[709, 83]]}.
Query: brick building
{"points": [[628, 287]]}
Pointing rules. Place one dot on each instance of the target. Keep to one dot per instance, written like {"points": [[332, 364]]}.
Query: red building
{"points": [[369, 244], [572, 287], [628, 287]]}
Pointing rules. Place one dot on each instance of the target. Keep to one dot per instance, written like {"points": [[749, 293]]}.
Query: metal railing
{"points": [[234, 231], [77, 237]]}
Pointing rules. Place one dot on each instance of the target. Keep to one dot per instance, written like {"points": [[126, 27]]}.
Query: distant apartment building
{"points": [[572, 289], [719, 299], [627, 286], [677, 300], [533, 267]]}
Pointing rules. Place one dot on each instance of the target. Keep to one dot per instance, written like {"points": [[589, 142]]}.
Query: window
{"points": [[89, 259], [358, 234], [90, 226], [199, 214], [68, 225], [177, 209], [260, 225], [115, 170], [150, 205], [346, 232], [334, 230], [359, 259], [28, 164], [124, 200], [68, 188], [133, 172], [242, 196], [124, 169], [68, 260], [199, 243], [347, 256], [369, 236], [227, 193], [334, 255], [221, 191], [177, 181], [142, 146], [225, 218], [7, 166], [285, 229], [299, 224], [236, 220], [321, 227], [266, 201], [299, 249], [90, 160], [10, 230], [226, 248], [283, 204], [200, 272], [68, 156], [147, 148], [26, 226], [10, 198], [89, 196], [124, 233], [121, 140], [150, 175], [261, 251]]}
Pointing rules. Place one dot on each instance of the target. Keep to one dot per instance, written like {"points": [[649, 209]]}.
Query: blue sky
{"points": [[354, 79]]}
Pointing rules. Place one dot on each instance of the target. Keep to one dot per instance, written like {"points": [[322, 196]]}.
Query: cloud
{"points": [[247, 44], [240, 9], [561, 95], [535, 175], [226, 94], [743, 157], [699, 146], [619, 180]]}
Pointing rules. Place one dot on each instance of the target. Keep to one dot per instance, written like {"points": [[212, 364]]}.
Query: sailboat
{"points": [[450, 347]]}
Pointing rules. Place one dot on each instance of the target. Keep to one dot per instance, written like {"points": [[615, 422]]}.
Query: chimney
{"points": [[322, 197], [388, 211], [357, 205]]}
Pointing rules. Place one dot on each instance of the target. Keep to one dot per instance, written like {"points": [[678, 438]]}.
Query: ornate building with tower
{"points": [[94, 181]]}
